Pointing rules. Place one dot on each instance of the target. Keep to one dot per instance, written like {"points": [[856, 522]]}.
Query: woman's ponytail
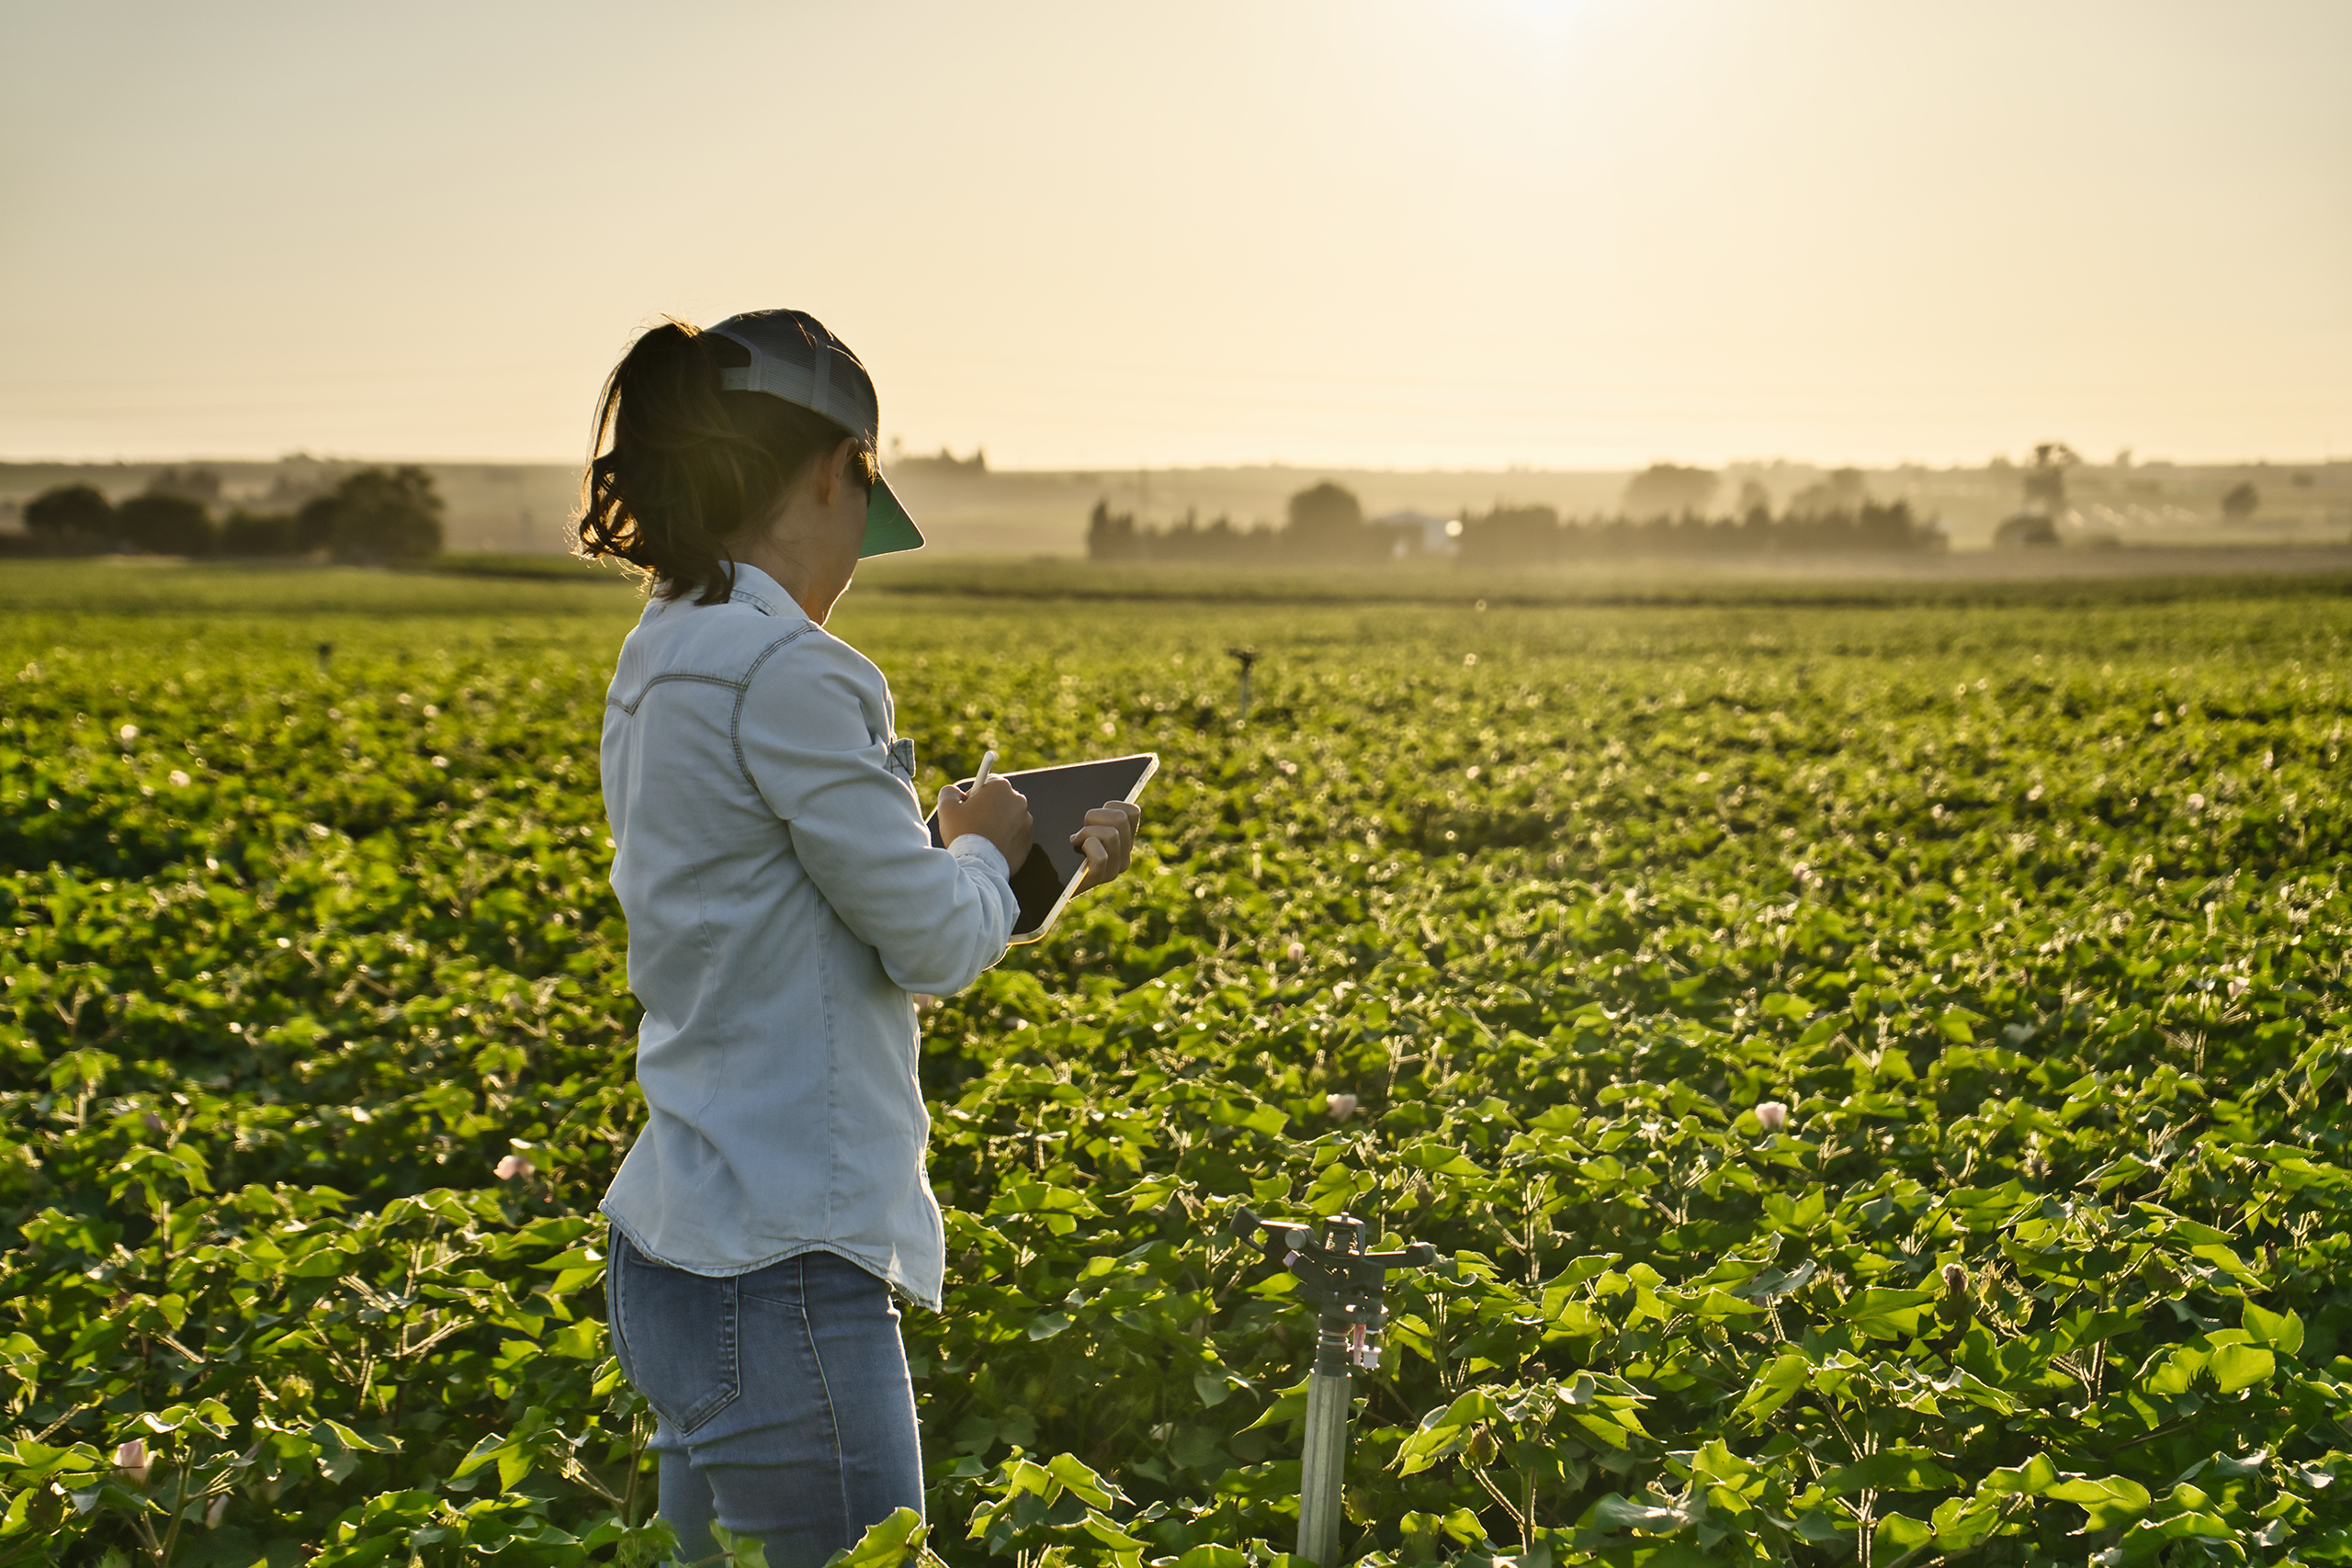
{"points": [[678, 467]]}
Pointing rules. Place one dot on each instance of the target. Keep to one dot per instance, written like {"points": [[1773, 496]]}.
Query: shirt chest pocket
{"points": [[901, 759]]}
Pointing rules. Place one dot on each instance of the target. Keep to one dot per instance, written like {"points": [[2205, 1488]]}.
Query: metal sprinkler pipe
{"points": [[1245, 656], [1348, 1288]]}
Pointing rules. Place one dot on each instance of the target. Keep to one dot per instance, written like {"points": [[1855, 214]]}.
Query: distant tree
{"points": [[314, 525], [1110, 535], [246, 533], [1663, 489], [376, 514], [2242, 503], [1325, 511], [1512, 535], [1755, 501], [69, 512], [1843, 491], [195, 483], [165, 525], [2045, 482], [300, 478]]}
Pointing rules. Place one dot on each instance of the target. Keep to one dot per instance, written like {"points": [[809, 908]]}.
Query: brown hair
{"points": [[677, 467]]}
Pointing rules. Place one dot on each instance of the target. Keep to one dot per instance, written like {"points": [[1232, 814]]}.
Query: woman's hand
{"points": [[1107, 840], [997, 812]]}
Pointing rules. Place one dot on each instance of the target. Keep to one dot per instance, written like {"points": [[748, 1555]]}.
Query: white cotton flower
{"points": [[1340, 1106], [1773, 1116], [134, 1461]]}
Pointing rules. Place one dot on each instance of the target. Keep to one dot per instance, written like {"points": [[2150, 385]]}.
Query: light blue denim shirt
{"points": [[783, 897]]}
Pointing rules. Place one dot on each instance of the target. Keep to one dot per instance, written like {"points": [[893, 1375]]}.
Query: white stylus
{"points": [[987, 761]]}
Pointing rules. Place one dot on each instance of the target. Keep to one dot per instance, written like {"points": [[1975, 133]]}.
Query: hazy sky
{"points": [[1558, 233]]}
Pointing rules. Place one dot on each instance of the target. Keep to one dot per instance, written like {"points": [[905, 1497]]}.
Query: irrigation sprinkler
{"points": [[1245, 656], [1349, 1289]]}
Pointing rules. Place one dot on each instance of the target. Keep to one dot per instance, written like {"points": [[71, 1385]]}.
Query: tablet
{"points": [[1059, 799]]}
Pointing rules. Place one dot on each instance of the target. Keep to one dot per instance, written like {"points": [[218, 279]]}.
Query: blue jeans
{"points": [[785, 1409]]}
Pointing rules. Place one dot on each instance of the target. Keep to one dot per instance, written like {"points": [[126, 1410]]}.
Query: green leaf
{"points": [[1618, 1512], [886, 1545], [749, 1551], [2283, 1332], [2035, 1478], [1072, 1472], [2240, 1366], [1212, 1556], [1960, 1523], [2111, 1503], [1900, 1532], [1891, 1470], [1774, 1386], [1107, 1533]]}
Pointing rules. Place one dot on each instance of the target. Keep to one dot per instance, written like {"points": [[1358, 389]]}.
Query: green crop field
{"points": [[1496, 927]]}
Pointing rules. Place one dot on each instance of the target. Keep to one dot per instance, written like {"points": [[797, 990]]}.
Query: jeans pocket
{"points": [[675, 1335]]}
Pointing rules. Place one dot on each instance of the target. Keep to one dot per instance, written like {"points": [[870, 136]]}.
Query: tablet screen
{"points": [[1059, 799]]}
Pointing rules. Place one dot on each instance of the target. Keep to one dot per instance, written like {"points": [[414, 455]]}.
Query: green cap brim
{"points": [[888, 529]]}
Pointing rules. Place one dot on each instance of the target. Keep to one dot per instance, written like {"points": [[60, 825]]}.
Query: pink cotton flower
{"points": [[1773, 1116], [514, 1166], [1340, 1106]]}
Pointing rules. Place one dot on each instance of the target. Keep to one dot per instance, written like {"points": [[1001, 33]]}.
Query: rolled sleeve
{"points": [[812, 734]]}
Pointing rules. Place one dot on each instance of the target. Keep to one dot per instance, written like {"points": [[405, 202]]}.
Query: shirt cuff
{"points": [[973, 846]]}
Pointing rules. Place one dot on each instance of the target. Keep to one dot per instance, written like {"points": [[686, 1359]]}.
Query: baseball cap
{"points": [[795, 358]]}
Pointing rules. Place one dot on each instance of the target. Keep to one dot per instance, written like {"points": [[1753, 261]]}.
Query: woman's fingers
{"points": [[1095, 844], [1107, 840]]}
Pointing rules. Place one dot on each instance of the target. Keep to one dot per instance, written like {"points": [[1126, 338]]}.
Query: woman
{"points": [[783, 897]]}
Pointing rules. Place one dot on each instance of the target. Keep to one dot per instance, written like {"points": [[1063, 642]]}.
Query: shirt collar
{"points": [[757, 589]]}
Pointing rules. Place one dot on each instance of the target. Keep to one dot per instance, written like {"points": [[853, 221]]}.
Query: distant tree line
{"points": [[374, 515], [1665, 516], [1525, 536], [1325, 524]]}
